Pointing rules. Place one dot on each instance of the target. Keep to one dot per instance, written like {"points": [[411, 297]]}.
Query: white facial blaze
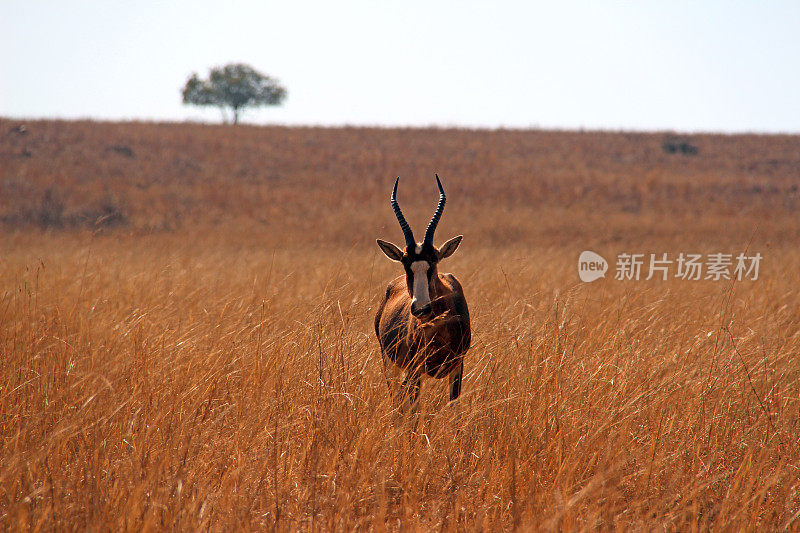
{"points": [[421, 297]]}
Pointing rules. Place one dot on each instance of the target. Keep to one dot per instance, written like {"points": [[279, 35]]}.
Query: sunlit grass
{"points": [[224, 374]]}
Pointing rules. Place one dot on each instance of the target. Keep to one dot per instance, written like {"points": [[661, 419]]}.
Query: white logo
{"points": [[591, 266]]}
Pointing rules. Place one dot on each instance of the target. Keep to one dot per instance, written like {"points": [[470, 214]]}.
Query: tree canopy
{"points": [[235, 86]]}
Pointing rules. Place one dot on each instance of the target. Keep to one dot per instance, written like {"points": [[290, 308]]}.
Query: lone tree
{"points": [[235, 87]]}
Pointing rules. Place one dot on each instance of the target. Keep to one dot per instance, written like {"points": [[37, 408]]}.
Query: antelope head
{"points": [[419, 260]]}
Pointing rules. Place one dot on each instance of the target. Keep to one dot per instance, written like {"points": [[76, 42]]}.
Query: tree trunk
{"points": [[235, 116]]}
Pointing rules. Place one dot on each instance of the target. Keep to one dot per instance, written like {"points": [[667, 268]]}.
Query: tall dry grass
{"points": [[210, 362]]}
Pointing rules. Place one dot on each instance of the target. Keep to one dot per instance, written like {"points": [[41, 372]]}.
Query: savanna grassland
{"points": [[187, 341]]}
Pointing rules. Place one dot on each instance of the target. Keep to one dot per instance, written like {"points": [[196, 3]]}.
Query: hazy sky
{"points": [[721, 66]]}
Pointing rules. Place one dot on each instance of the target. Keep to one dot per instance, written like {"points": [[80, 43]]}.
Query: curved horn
{"points": [[407, 233], [436, 215]]}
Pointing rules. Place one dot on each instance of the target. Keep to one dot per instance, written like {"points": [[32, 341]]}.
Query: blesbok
{"points": [[423, 322]]}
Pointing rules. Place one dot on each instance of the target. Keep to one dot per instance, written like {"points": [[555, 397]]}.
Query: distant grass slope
{"points": [[332, 184]]}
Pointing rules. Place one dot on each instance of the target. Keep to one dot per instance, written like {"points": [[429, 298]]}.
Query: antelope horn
{"points": [[436, 215], [407, 233]]}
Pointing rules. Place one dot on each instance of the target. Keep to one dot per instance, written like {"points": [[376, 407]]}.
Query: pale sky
{"points": [[681, 65]]}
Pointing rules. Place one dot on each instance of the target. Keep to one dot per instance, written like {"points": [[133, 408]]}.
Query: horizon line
{"points": [[409, 126]]}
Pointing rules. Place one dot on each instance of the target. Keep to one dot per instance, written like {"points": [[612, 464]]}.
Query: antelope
{"points": [[422, 323]]}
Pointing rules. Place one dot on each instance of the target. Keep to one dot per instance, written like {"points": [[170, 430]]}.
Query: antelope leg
{"points": [[455, 381], [410, 387]]}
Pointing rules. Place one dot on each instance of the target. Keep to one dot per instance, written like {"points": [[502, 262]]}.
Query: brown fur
{"points": [[434, 344]]}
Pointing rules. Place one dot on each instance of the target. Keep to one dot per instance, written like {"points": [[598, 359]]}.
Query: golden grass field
{"points": [[187, 340]]}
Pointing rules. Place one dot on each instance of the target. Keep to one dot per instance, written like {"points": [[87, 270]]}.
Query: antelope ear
{"points": [[392, 252], [449, 247]]}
